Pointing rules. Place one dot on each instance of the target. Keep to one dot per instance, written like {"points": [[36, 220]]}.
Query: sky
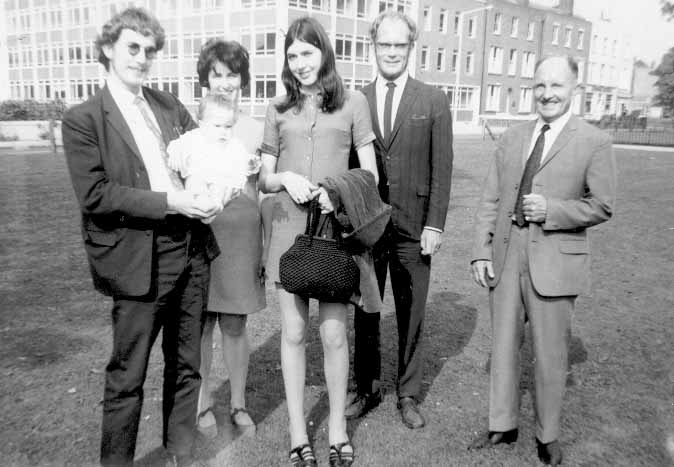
{"points": [[651, 34]]}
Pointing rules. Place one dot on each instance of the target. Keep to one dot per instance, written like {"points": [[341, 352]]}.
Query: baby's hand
{"points": [[254, 164]]}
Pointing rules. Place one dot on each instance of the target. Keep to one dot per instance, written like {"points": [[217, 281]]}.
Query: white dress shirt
{"points": [[144, 137], [551, 135], [380, 92]]}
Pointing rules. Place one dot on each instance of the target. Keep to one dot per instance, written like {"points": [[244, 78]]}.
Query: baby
{"points": [[213, 162]]}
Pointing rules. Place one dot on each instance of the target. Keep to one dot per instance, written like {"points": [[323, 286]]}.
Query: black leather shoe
{"points": [[492, 438], [362, 404], [410, 414], [549, 453]]}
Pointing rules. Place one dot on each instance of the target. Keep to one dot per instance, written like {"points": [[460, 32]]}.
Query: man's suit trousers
{"points": [[410, 274], [511, 301], [175, 305]]}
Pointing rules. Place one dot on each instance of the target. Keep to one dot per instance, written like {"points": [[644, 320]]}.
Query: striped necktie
{"points": [[145, 112]]}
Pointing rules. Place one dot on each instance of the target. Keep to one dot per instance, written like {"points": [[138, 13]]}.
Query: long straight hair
{"points": [[309, 30]]}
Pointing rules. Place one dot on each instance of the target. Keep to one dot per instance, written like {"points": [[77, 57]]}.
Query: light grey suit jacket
{"points": [[578, 180]]}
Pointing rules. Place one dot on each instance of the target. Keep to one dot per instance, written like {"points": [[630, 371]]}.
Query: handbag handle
{"points": [[316, 222], [313, 216]]}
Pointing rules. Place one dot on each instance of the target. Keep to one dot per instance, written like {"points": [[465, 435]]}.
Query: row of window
{"points": [[568, 36], [443, 23], [262, 88], [497, 27], [495, 62], [347, 48], [494, 66], [493, 99], [439, 64]]}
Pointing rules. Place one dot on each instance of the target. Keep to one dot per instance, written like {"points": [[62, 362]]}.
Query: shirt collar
{"points": [[400, 81], [121, 94], [556, 125]]}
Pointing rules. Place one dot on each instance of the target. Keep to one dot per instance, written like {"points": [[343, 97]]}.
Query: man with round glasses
{"points": [[145, 242]]}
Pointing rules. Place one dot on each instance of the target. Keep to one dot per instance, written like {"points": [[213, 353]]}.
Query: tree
{"points": [[667, 8], [665, 81]]}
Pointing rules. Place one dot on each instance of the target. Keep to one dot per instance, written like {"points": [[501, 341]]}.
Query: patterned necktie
{"points": [[145, 112], [530, 169], [388, 110]]}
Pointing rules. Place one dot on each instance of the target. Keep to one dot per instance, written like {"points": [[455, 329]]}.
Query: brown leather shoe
{"points": [[361, 404], [549, 453], [410, 414], [488, 439]]}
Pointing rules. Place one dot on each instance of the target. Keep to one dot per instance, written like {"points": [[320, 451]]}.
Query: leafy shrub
{"points": [[31, 110], [8, 138]]}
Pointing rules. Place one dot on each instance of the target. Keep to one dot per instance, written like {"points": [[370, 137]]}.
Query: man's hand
{"points": [[430, 241], [479, 268], [323, 200], [298, 187], [534, 208], [192, 204]]}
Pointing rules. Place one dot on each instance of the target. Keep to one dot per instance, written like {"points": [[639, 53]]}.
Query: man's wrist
{"points": [[434, 229]]}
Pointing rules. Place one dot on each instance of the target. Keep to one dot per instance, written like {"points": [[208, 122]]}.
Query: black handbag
{"points": [[319, 267]]}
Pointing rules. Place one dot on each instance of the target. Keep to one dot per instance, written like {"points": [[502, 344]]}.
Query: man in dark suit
{"points": [[412, 122], [146, 246], [549, 181]]}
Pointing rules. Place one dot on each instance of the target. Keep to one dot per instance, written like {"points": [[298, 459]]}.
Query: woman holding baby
{"points": [[237, 275]]}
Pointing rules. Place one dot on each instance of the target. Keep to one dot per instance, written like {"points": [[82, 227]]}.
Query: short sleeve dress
{"points": [[314, 144], [235, 285]]}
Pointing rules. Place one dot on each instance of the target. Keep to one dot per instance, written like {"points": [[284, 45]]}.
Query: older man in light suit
{"points": [[549, 181]]}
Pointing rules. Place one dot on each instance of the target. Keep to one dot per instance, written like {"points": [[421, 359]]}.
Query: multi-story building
{"points": [[51, 53], [644, 90], [4, 65], [449, 52], [518, 34], [609, 74]]}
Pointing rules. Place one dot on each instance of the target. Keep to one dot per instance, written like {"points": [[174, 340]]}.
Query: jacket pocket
{"points": [[423, 191], [574, 247], [99, 237]]}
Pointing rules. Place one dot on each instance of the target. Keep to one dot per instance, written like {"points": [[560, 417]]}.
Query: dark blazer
{"points": [[119, 210], [416, 162], [578, 180]]}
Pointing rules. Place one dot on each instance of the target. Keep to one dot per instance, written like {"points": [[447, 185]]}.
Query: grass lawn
{"points": [[55, 339]]}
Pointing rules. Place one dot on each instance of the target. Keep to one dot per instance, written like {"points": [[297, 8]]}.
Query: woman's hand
{"points": [[299, 188], [323, 200]]}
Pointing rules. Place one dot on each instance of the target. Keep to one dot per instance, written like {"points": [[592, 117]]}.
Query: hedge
{"points": [[31, 110]]}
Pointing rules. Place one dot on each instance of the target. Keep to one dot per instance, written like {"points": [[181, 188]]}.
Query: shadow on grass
{"points": [[448, 327]]}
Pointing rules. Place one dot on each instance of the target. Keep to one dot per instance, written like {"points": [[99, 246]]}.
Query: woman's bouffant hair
{"points": [[135, 19], [309, 30], [232, 54]]}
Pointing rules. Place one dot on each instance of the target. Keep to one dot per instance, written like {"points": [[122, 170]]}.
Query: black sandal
{"points": [[339, 457], [303, 456]]}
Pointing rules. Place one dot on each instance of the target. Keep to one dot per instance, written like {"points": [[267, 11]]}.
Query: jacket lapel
{"points": [[408, 98], [116, 120], [371, 95], [161, 115], [562, 140]]}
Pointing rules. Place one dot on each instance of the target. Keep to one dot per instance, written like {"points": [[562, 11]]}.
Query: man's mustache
{"points": [[547, 101]]}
